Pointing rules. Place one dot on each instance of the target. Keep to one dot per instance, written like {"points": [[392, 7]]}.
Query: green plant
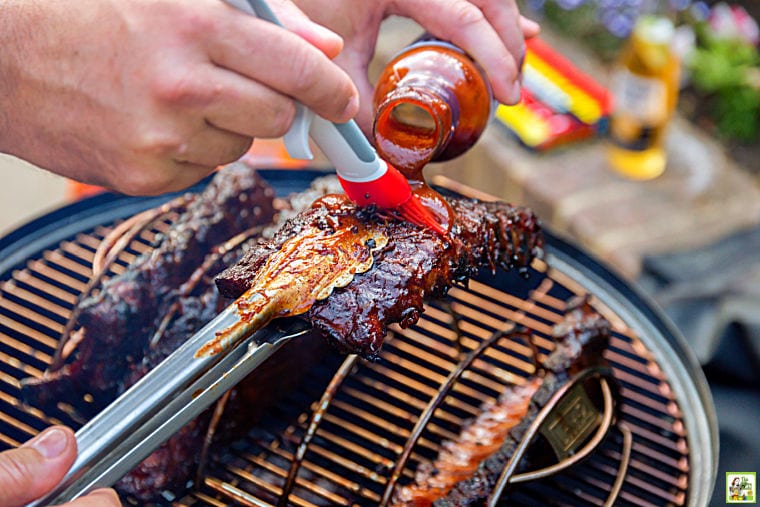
{"points": [[728, 70]]}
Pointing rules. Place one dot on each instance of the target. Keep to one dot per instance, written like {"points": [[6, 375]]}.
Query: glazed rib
{"points": [[459, 459], [414, 265], [581, 337]]}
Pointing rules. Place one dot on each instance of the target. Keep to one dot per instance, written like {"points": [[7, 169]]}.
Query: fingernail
{"points": [[351, 108], [50, 443], [516, 94], [328, 34], [529, 24]]}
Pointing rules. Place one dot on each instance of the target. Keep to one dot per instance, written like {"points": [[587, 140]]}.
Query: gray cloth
{"points": [[712, 295]]}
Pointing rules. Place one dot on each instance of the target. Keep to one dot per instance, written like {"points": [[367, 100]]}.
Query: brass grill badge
{"points": [[571, 422]]}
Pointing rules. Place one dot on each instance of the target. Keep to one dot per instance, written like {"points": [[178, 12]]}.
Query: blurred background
{"points": [[686, 234]]}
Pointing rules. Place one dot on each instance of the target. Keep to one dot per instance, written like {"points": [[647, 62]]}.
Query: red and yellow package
{"points": [[559, 104]]}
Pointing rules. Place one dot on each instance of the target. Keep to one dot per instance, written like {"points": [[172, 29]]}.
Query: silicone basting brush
{"points": [[365, 177]]}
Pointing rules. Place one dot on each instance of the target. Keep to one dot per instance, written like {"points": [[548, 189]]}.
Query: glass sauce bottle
{"points": [[645, 87], [432, 102]]}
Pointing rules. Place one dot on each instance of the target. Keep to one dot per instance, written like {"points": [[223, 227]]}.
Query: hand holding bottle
{"points": [[491, 31]]}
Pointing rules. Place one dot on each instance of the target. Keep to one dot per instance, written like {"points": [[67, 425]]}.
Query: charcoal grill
{"points": [[366, 411]]}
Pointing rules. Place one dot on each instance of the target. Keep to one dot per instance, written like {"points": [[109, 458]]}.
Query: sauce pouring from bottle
{"points": [[432, 103]]}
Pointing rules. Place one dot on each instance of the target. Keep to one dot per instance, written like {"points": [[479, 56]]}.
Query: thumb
{"points": [[30, 471]]}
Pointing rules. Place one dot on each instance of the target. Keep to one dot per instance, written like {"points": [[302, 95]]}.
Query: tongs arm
{"points": [[169, 396]]}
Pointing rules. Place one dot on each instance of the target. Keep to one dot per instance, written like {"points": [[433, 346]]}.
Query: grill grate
{"points": [[366, 425]]}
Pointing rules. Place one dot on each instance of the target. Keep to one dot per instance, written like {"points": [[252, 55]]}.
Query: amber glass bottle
{"points": [[432, 102], [645, 86]]}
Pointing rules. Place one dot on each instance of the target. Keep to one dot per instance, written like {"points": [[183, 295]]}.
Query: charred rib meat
{"points": [[117, 321], [414, 265], [190, 251], [581, 337]]}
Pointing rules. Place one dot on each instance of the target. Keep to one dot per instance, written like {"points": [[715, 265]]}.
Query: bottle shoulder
{"points": [[436, 54]]}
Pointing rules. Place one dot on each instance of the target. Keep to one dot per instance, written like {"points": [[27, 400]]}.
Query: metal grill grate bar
{"points": [[29, 279]]}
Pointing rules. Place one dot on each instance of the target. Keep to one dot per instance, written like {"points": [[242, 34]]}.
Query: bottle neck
{"points": [[413, 124]]}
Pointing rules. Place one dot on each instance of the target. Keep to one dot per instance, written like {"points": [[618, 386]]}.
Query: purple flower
{"points": [[619, 23], [570, 4], [618, 16], [536, 5], [680, 5]]}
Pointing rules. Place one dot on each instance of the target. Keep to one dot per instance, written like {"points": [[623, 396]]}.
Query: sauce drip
{"points": [[435, 202]]}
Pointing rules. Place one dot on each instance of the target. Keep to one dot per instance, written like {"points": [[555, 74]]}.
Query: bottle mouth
{"points": [[414, 117], [420, 116], [411, 127]]}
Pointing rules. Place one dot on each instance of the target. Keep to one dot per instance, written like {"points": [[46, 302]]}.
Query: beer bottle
{"points": [[645, 87]]}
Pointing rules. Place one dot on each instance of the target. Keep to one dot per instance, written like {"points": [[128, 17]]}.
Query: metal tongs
{"points": [[163, 401]]}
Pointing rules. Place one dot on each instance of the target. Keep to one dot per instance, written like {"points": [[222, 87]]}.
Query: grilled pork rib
{"points": [[120, 318], [119, 321], [465, 475], [415, 264]]}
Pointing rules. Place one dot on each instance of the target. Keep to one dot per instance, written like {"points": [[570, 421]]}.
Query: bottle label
{"points": [[640, 98]]}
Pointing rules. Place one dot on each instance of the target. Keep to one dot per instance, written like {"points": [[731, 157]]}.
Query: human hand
{"points": [[148, 96], [35, 468], [491, 31]]}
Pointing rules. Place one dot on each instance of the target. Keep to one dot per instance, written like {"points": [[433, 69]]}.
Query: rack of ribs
{"points": [[415, 264]]}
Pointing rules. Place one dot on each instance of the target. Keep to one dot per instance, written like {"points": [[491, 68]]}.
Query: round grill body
{"points": [[664, 398]]}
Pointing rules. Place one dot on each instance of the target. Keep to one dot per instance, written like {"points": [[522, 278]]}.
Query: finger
{"points": [[210, 147], [233, 103], [294, 19], [471, 28], [529, 27], [154, 171], [355, 64], [30, 471], [185, 174], [285, 62], [97, 498]]}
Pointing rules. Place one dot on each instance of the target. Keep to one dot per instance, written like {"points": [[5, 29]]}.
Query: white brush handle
{"points": [[343, 144]]}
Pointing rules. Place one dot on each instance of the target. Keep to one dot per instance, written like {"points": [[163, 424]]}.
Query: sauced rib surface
{"points": [[582, 337], [415, 265]]}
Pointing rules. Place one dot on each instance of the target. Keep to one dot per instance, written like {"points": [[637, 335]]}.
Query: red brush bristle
{"points": [[414, 211]]}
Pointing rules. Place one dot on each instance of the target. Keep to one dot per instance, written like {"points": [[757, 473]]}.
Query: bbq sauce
{"points": [[432, 103]]}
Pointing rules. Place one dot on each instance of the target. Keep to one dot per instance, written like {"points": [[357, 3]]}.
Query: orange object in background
{"points": [[271, 154], [76, 190]]}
